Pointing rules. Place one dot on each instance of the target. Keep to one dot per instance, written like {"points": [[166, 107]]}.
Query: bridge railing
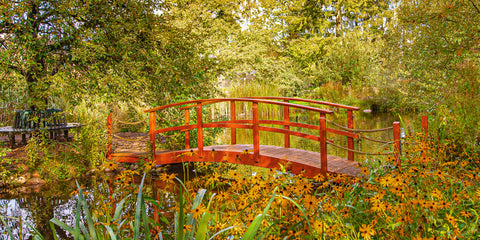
{"points": [[255, 123], [349, 109], [287, 122]]}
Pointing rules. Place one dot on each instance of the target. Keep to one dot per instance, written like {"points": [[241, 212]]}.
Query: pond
{"points": [[37, 207]]}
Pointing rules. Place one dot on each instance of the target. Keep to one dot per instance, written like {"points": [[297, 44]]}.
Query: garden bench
{"points": [[33, 121]]}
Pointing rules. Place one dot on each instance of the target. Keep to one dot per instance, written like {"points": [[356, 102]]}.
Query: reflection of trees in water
{"points": [[36, 210]]}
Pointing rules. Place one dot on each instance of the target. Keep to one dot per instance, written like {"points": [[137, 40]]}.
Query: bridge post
{"points": [[323, 145], [187, 132], [233, 118], [200, 129], [152, 122], [425, 129], [286, 119], [425, 125], [256, 139], [397, 147], [109, 138], [351, 155]]}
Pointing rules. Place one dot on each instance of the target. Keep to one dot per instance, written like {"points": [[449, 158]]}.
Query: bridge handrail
{"points": [[217, 100], [309, 101]]}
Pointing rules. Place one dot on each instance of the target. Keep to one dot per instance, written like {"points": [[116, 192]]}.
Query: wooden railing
{"points": [[256, 124], [350, 109]]}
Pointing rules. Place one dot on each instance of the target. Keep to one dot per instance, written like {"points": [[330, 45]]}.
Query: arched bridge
{"points": [[297, 161]]}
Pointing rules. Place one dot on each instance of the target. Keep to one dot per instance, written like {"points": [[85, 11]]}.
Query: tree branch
{"points": [[475, 6]]}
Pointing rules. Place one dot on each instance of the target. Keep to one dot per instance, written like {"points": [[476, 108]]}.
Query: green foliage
{"points": [[41, 38], [301, 18], [37, 151], [433, 50]]}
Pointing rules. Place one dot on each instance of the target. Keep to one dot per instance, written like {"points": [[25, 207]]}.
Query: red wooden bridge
{"points": [[297, 161]]}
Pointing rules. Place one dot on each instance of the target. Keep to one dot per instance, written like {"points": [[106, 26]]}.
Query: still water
{"points": [[36, 207]]}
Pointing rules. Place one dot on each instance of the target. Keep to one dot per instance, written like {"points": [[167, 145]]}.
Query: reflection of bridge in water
{"points": [[297, 161]]}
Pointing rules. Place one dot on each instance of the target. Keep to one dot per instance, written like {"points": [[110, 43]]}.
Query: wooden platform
{"points": [[296, 161]]}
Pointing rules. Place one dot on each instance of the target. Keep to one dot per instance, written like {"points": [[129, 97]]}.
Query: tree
{"points": [[327, 17], [39, 38], [434, 46]]}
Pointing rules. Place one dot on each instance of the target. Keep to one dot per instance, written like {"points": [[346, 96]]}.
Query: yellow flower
{"points": [[222, 196], [167, 177], [234, 174], [111, 165], [318, 226], [187, 227], [367, 231], [465, 214], [443, 205], [304, 188], [451, 219], [364, 171], [378, 207], [198, 211], [386, 181], [437, 193], [242, 204], [328, 207], [149, 166], [319, 178], [310, 202]]}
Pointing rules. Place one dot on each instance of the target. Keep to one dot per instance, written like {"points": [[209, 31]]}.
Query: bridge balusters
{"points": [[286, 119], [152, 120], [350, 143], [200, 129], [233, 118], [256, 139], [187, 132], [397, 147], [323, 145]]}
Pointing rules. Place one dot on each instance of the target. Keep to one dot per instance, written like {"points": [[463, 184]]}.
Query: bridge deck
{"points": [[296, 160]]}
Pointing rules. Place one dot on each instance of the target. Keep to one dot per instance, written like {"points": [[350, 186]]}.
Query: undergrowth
{"points": [[429, 196]]}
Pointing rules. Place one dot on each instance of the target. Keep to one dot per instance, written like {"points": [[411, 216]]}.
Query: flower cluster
{"points": [[428, 197]]}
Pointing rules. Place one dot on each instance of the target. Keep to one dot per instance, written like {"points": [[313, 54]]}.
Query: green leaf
{"points": [[180, 217], [91, 234], [138, 211], [119, 208], [202, 227], [110, 232], [255, 225], [63, 226]]}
